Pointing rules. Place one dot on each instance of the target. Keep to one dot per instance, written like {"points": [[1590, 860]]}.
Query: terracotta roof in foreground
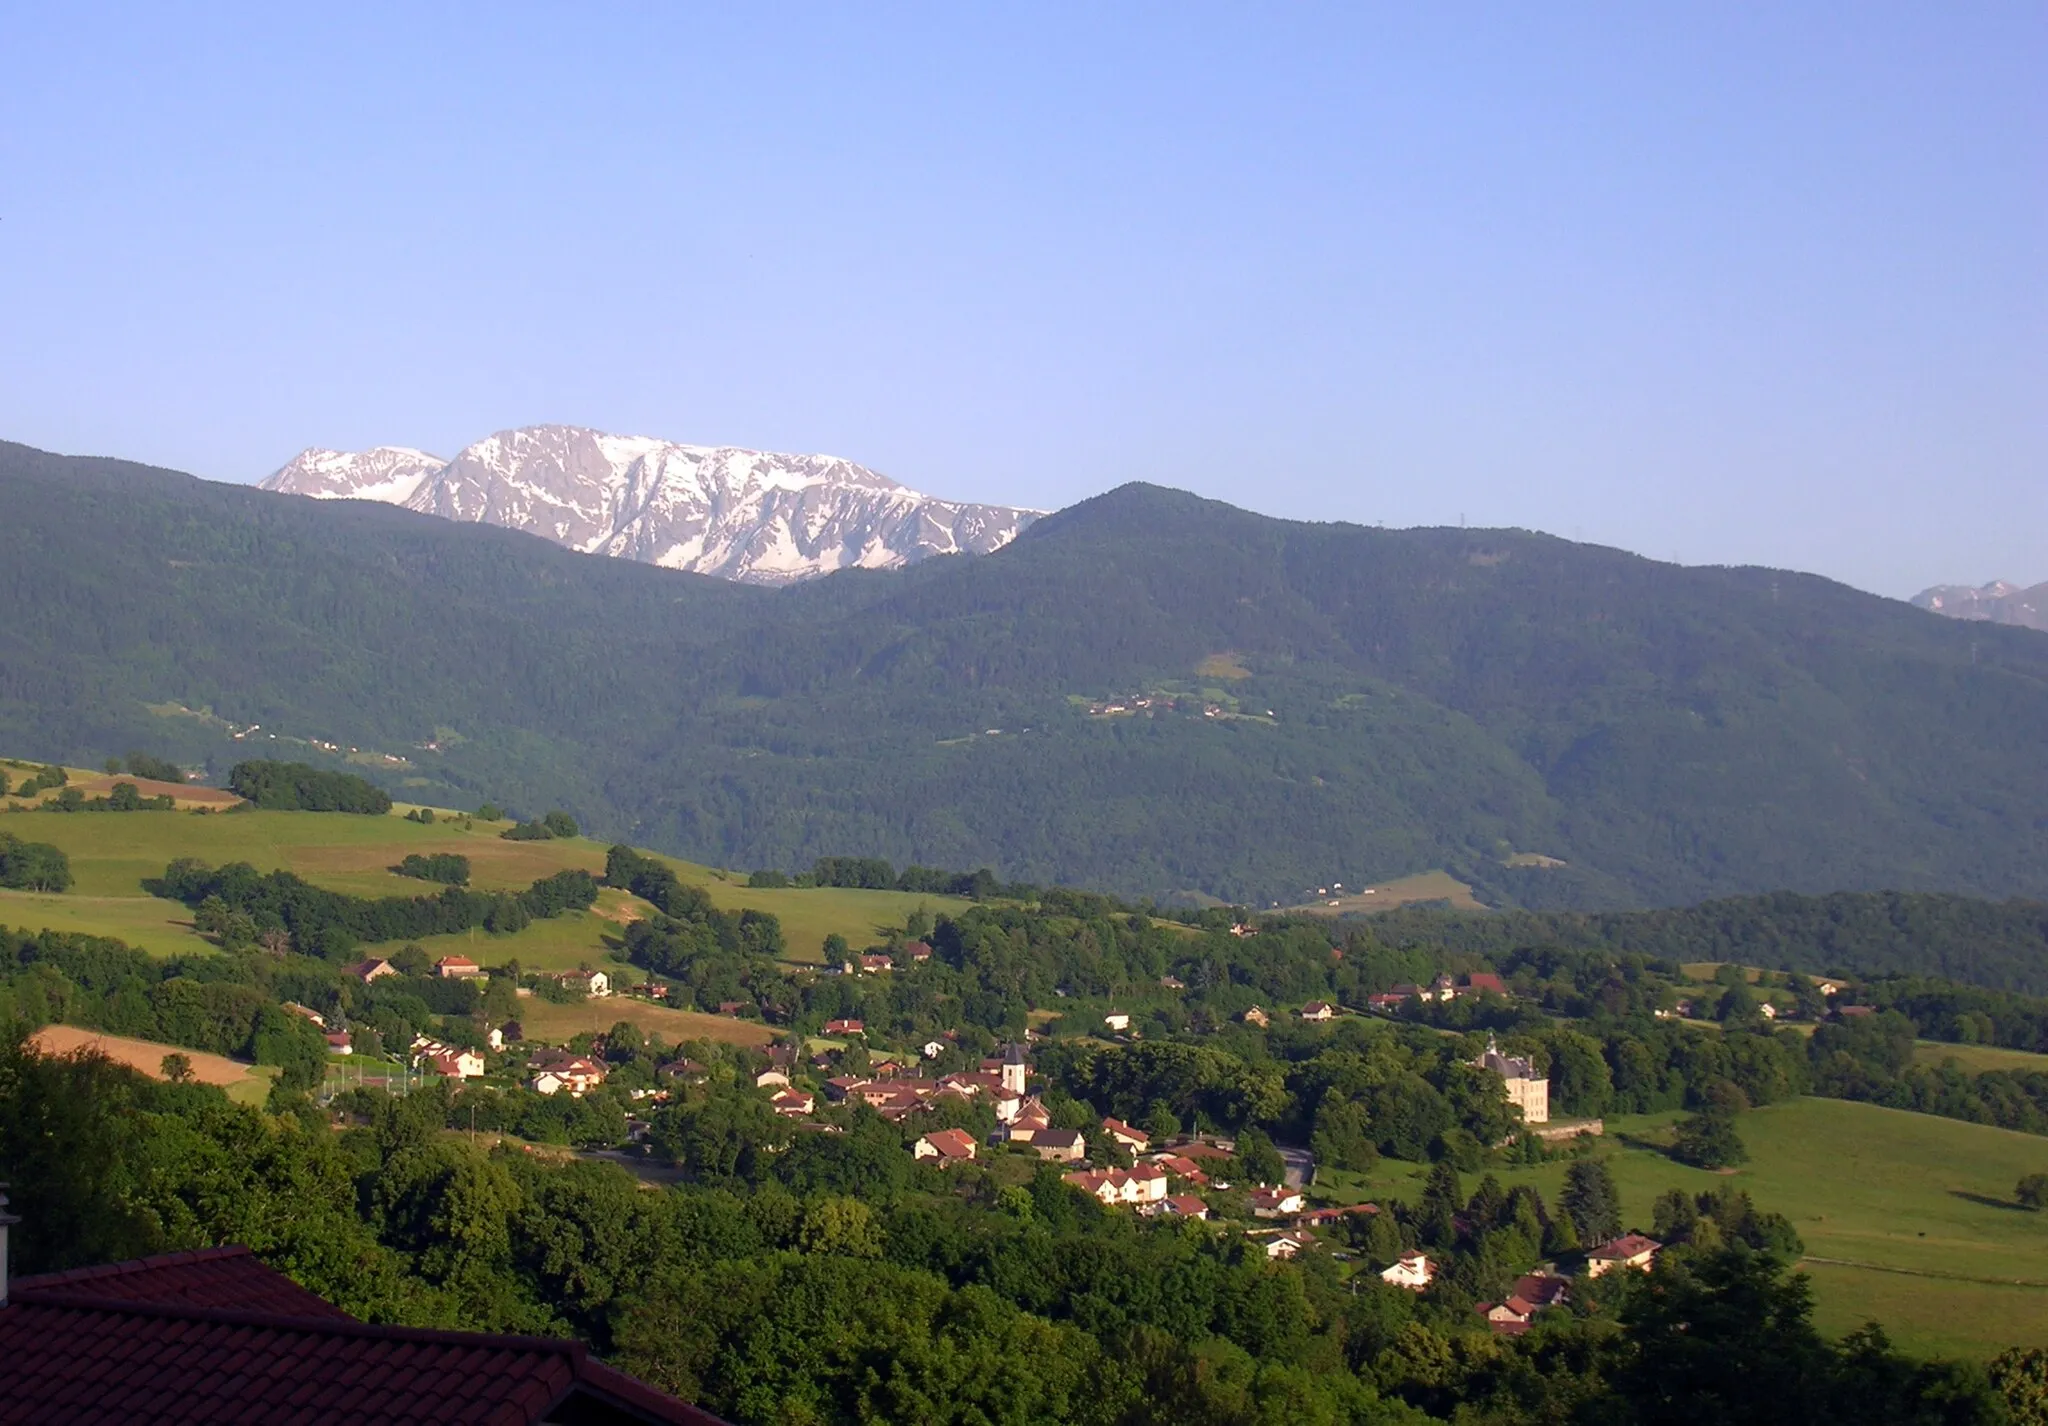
{"points": [[230, 1277], [217, 1337]]}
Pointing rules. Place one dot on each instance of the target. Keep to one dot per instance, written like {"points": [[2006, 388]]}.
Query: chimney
{"points": [[7, 1220]]}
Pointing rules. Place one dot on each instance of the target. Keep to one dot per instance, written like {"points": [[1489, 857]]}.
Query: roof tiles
{"points": [[217, 1337]]}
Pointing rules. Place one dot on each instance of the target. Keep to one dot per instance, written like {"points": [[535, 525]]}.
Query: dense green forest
{"points": [[2000, 945], [1323, 702]]}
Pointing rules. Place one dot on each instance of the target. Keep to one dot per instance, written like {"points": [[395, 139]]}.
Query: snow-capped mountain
{"points": [[2000, 602], [719, 510]]}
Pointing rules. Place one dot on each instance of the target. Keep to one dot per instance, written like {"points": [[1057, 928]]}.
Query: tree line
{"points": [[299, 787], [332, 924]]}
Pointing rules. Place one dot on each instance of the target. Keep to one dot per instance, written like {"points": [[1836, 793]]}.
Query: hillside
{"points": [[2003, 945], [1907, 1219], [1148, 692], [112, 855]]}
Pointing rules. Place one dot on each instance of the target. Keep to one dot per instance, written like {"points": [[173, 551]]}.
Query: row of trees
{"points": [[876, 874], [147, 765], [239, 903], [121, 797]]}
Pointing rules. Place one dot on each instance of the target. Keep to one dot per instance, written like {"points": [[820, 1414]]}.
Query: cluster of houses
{"points": [[1153, 704], [552, 1071], [448, 1061], [895, 1095], [878, 962], [1441, 990], [1533, 1292], [548, 1070], [1316, 1012], [591, 983]]}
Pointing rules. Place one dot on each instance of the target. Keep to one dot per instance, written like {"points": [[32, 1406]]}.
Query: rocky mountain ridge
{"points": [[754, 516], [1999, 602]]}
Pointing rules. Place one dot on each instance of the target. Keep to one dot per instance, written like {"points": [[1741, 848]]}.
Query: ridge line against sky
{"points": [[1726, 287]]}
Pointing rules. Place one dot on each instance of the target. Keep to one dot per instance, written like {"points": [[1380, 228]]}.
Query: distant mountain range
{"points": [[752, 516], [1997, 602], [1147, 693]]}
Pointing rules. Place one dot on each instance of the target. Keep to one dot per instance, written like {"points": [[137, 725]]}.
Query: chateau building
{"points": [[1527, 1090]]}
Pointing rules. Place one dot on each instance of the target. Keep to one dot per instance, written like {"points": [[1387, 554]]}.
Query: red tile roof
{"points": [[1628, 1245], [1541, 1289], [951, 1143], [217, 1337], [211, 1277]]}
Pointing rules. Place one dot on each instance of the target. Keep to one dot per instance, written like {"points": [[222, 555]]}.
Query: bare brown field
{"points": [[99, 784], [144, 1055]]}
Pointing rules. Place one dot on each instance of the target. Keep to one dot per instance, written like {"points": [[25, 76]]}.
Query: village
{"points": [[1192, 1177]]}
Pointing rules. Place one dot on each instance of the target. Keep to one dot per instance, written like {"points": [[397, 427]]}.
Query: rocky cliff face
{"points": [[718, 510]]}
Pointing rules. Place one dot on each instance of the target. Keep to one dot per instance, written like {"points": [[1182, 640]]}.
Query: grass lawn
{"points": [[1907, 1218], [545, 1020]]}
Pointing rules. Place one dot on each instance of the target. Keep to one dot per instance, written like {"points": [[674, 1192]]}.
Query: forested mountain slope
{"points": [[1322, 702]]}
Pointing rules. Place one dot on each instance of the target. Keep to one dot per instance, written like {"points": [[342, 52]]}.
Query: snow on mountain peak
{"points": [[740, 514], [387, 473]]}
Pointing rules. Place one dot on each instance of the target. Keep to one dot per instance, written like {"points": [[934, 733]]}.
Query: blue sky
{"points": [[1715, 282]]}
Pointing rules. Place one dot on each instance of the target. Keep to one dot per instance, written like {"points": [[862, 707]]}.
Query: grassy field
{"points": [[545, 1020], [1402, 891], [112, 853], [1703, 972], [810, 914], [1907, 1218], [1978, 1058], [245, 1084]]}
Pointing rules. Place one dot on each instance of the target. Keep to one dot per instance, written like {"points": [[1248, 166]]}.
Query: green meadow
{"points": [[1908, 1219], [113, 853], [1979, 1058]]}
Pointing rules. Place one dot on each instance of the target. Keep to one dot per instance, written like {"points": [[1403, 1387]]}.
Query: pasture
{"points": [[112, 854], [1401, 891], [1908, 1219], [1978, 1058], [545, 1020]]}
